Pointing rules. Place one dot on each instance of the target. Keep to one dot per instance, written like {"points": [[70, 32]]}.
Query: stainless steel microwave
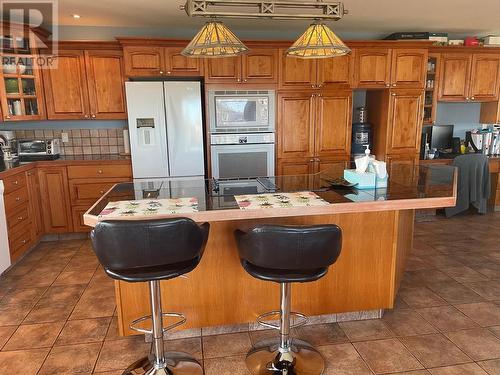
{"points": [[241, 111]]}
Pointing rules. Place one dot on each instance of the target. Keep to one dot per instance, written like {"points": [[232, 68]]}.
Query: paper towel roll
{"points": [[126, 141]]}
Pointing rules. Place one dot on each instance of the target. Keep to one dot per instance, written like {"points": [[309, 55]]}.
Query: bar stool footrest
{"points": [[301, 319], [133, 324]]}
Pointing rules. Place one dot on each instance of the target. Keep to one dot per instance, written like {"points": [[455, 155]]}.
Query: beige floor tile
{"points": [[119, 354], [467, 369], [464, 274], [454, 292], [490, 290], [421, 297], [226, 345], [386, 356], [34, 336], [343, 359], [74, 277], [322, 334], [83, 331], [434, 350], [446, 318], [5, 334], [407, 323], [363, 330], [492, 367], [25, 362], [484, 313], [228, 365], [479, 344], [72, 359], [191, 346]]}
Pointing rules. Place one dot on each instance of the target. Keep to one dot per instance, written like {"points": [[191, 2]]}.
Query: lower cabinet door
{"points": [[55, 199], [296, 174], [77, 213]]}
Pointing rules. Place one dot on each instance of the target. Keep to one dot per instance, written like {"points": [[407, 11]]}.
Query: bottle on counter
{"points": [[427, 151]]}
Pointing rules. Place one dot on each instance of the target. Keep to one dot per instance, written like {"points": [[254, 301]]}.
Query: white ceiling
{"points": [[365, 18]]}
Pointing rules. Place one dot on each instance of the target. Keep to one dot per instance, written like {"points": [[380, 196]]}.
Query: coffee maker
{"points": [[485, 140], [8, 145]]}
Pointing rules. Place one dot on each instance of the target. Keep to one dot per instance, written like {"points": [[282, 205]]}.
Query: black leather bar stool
{"points": [[150, 251], [287, 254]]}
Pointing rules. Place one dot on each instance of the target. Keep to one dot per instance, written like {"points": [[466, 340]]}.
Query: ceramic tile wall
{"points": [[81, 141]]}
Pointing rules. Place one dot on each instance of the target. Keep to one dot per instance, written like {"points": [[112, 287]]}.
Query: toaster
{"points": [[41, 149]]}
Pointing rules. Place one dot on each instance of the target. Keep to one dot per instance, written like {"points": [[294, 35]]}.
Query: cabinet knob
{"points": [[320, 94], [312, 160], [93, 116], [393, 85], [393, 94], [244, 80], [102, 192], [161, 71], [473, 98], [30, 173], [86, 116], [99, 171], [313, 86], [15, 182], [387, 85], [20, 218], [467, 98], [169, 72], [7, 117], [18, 199], [24, 241]]}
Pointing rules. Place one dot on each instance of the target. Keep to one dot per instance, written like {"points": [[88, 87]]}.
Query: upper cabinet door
{"points": [[484, 77], [372, 68], [65, 88], [336, 71], [260, 65], [405, 121], [223, 70], [143, 61], [295, 125], [106, 84], [296, 72], [333, 124], [454, 77], [179, 65], [409, 68]]}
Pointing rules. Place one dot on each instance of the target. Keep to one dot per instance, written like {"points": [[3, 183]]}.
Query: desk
{"points": [[494, 172]]}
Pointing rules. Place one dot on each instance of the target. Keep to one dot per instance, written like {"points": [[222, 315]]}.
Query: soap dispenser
{"points": [[363, 161]]}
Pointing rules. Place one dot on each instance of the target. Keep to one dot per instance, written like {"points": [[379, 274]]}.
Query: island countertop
{"points": [[431, 186]]}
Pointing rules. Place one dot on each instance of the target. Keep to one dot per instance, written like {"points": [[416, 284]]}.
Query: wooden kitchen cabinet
{"points": [[55, 199], [66, 92], [404, 121], [34, 203], [485, 77], [409, 68], [335, 72], [295, 167], [295, 130], [146, 61], [372, 68], [333, 123], [469, 77], [260, 65], [106, 85], [86, 85]]}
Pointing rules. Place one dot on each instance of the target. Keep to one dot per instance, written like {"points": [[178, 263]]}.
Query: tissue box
{"points": [[381, 182], [365, 180]]}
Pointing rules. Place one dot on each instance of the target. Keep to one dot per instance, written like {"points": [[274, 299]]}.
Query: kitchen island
{"points": [[377, 227]]}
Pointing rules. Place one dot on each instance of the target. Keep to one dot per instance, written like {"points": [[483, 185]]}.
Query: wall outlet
{"points": [[64, 137]]}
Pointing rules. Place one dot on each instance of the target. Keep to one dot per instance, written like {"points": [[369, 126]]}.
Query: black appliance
{"points": [[361, 134]]}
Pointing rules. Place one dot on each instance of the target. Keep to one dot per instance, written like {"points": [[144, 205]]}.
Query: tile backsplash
{"points": [[82, 141]]}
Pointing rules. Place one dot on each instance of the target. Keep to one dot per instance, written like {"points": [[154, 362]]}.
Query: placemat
{"points": [[279, 200], [148, 207]]}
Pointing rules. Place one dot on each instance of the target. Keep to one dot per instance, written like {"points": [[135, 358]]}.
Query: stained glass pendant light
{"points": [[318, 41], [214, 40]]}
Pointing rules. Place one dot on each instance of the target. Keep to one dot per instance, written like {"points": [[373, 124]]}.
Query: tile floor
{"points": [[57, 314]]}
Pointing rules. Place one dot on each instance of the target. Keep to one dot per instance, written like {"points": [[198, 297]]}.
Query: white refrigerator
{"points": [[166, 129]]}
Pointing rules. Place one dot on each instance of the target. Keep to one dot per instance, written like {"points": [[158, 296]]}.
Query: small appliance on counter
{"points": [[361, 133], [8, 145], [42, 149], [485, 140]]}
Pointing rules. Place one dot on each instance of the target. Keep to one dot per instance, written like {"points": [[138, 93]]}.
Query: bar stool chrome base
{"points": [[176, 363], [267, 359]]}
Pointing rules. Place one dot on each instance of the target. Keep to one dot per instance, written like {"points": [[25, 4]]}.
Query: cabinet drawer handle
{"points": [[15, 182]]}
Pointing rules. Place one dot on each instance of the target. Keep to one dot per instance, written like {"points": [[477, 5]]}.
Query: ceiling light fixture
{"points": [[214, 40], [318, 41]]}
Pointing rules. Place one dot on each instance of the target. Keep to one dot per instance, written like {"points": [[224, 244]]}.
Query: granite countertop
{"points": [[9, 165]]}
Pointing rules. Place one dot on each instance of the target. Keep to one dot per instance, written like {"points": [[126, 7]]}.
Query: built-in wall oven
{"points": [[242, 155], [242, 138]]}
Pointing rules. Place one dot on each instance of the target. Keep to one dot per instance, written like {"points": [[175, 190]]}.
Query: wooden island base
{"points": [[219, 292]]}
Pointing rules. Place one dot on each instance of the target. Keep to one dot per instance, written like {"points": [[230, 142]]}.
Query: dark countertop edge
{"points": [[65, 161]]}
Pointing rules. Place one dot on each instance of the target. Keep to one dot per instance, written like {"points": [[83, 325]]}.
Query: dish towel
{"points": [[473, 184]]}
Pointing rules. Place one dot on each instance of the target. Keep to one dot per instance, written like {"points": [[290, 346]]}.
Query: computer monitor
{"points": [[442, 137]]}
